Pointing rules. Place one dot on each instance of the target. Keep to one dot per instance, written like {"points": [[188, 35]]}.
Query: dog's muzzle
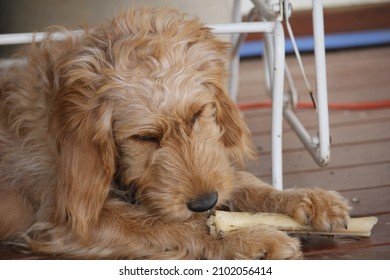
{"points": [[204, 202]]}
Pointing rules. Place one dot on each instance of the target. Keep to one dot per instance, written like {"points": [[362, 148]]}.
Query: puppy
{"points": [[115, 143]]}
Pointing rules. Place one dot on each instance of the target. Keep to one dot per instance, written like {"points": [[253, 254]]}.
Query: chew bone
{"points": [[221, 222]]}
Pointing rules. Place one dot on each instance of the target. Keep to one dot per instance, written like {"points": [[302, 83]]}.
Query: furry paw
{"points": [[259, 243], [324, 210]]}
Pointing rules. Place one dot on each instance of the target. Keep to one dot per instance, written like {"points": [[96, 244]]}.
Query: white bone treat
{"points": [[222, 222]]}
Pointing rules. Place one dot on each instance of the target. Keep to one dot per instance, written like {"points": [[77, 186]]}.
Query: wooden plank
{"points": [[360, 158], [369, 201], [365, 89], [377, 246], [356, 176], [350, 60], [260, 120], [373, 77], [341, 136], [300, 161], [381, 252], [341, 94]]}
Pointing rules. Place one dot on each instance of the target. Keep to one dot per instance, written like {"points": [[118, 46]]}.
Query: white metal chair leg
{"points": [[318, 146], [268, 60], [235, 62], [277, 105], [322, 91]]}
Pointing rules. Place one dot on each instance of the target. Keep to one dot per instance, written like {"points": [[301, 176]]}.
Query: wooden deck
{"points": [[360, 153], [360, 150]]}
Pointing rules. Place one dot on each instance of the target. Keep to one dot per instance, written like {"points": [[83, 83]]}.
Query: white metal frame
{"points": [[276, 72], [271, 15]]}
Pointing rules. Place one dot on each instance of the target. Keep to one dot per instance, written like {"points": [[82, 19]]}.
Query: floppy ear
{"points": [[212, 64], [82, 131], [235, 133], [212, 57]]}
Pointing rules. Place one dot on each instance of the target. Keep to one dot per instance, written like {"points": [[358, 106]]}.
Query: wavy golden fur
{"points": [[115, 142]]}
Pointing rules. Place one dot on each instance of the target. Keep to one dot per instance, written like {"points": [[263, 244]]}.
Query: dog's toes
{"points": [[261, 243], [324, 210], [286, 249], [277, 245]]}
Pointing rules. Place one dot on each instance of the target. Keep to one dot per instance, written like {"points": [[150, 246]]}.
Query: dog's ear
{"points": [[215, 55], [235, 133], [82, 131]]}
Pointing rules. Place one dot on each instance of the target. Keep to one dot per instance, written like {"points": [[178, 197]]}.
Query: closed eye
{"points": [[146, 138]]}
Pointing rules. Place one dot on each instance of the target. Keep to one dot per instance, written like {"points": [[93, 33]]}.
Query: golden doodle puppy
{"points": [[115, 143]]}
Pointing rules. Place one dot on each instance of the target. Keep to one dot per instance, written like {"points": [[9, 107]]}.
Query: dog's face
{"points": [[171, 150], [154, 115]]}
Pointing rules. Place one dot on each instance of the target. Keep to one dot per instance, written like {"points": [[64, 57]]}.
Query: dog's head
{"points": [[142, 102]]}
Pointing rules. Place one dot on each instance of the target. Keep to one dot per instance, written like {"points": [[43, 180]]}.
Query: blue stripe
{"points": [[332, 41]]}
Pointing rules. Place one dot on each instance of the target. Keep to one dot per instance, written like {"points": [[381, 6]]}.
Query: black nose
{"points": [[204, 202]]}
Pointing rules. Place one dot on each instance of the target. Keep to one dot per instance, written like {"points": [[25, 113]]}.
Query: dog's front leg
{"points": [[129, 231], [323, 209], [126, 232]]}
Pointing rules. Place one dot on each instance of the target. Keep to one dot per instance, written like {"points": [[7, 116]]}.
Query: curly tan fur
{"points": [[106, 137]]}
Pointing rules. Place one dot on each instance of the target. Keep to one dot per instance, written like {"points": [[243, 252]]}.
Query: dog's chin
{"points": [[171, 213], [185, 216]]}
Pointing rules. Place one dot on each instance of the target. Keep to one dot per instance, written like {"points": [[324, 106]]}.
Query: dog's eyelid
{"points": [[146, 138]]}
